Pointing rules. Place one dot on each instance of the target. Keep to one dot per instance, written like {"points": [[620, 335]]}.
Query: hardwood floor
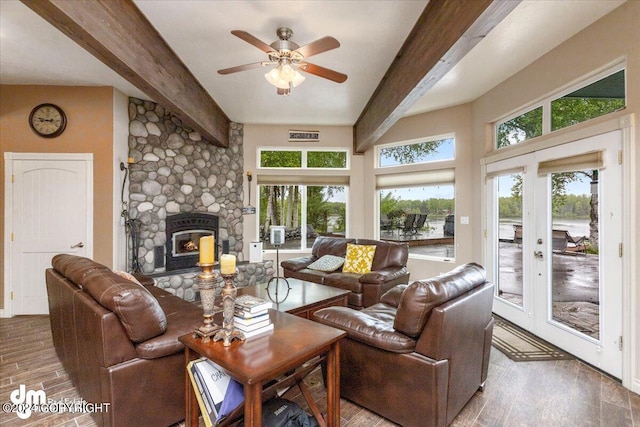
{"points": [[563, 393]]}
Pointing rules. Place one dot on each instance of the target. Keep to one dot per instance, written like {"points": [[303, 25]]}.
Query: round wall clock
{"points": [[47, 120]]}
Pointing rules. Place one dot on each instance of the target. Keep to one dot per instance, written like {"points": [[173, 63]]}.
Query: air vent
{"points": [[304, 135]]}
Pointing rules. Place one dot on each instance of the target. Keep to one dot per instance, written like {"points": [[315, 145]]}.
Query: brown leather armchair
{"points": [[419, 355]]}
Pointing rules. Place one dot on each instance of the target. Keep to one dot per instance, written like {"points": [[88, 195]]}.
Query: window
{"points": [[307, 203], [280, 159], [594, 100], [303, 158], [422, 216], [417, 152], [595, 97], [417, 206], [305, 210], [521, 128]]}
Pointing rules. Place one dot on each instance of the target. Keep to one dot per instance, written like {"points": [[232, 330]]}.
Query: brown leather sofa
{"points": [[388, 269], [419, 355], [117, 340]]}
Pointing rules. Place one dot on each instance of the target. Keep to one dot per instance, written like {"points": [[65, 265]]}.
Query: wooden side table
{"points": [[277, 355]]}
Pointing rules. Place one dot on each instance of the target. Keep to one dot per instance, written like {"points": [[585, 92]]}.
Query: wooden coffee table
{"points": [[283, 355], [303, 299]]}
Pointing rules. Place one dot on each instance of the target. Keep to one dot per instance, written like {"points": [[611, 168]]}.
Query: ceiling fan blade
{"points": [[244, 67], [253, 40], [321, 45], [322, 72]]}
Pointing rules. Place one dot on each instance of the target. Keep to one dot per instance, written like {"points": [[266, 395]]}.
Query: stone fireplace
{"points": [[184, 231], [176, 172]]}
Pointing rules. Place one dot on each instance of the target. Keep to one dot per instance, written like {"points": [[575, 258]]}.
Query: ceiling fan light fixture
{"points": [[289, 58], [287, 72], [274, 77], [284, 77], [297, 79]]}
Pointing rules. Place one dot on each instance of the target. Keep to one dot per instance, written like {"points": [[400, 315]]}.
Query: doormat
{"points": [[521, 346]]}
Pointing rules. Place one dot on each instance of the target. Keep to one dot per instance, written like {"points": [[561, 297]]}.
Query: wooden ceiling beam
{"points": [[118, 34], [445, 32]]}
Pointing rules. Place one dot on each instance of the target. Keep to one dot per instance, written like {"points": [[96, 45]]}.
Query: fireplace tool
{"points": [[131, 226]]}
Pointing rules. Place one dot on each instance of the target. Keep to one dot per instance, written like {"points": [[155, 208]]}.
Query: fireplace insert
{"points": [[184, 231]]}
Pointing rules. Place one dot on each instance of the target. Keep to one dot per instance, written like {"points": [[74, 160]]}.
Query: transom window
{"points": [[416, 152], [593, 98], [303, 158]]}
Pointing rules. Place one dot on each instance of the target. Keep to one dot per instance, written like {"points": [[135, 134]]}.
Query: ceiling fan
{"points": [[289, 59]]}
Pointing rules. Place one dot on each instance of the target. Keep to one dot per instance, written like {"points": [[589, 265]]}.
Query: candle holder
{"points": [[206, 281], [228, 332]]}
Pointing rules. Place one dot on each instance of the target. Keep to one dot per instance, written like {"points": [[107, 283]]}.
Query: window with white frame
{"points": [[303, 158], [306, 202], [417, 152], [594, 97], [417, 205]]}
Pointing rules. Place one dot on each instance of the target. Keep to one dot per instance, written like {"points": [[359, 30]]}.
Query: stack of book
{"points": [[252, 315]]}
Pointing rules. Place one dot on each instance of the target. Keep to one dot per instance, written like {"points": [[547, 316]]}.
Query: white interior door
{"points": [[558, 277], [49, 211]]}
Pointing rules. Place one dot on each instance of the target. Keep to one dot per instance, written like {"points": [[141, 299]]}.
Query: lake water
{"points": [[575, 227]]}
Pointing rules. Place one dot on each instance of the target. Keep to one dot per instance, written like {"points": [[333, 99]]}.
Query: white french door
{"points": [[48, 207], [553, 239]]}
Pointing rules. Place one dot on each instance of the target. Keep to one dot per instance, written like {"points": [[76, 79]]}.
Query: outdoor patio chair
{"points": [[420, 221], [409, 223], [579, 243], [385, 223]]}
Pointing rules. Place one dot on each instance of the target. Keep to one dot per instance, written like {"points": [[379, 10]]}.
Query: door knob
{"points": [[77, 245], [538, 254]]}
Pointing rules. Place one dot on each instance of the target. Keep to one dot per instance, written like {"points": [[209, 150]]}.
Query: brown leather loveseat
{"points": [[388, 269], [117, 340], [419, 355]]}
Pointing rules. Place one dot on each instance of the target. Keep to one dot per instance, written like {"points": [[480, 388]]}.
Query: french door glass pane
{"points": [[510, 284], [575, 260]]}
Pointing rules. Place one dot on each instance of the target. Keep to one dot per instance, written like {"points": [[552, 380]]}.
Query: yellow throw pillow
{"points": [[359, 258]]}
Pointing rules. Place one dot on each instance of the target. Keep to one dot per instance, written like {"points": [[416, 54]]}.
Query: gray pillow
{"points": [[327, 263]]}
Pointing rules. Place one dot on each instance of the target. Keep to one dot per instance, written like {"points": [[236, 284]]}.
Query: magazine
{"points": [[215, 382], [208, 415], [216, 392]]}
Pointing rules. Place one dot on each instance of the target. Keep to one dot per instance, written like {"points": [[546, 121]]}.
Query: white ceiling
{"points": [[32, 52]]}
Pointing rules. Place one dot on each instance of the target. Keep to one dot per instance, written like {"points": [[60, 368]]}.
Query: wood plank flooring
{"points": [[561, 393]]}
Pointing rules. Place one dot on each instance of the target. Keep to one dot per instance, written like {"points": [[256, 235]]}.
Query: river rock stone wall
{"points": [[175, 170], [185, 285]]}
